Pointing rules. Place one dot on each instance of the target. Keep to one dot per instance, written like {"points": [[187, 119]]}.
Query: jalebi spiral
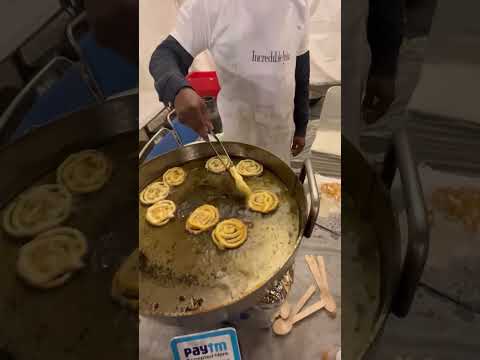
{"points": [[263, 201], [217, 164], [249, 167], [202, 219], [229, 234], [154, 192], [37, 209], [51, 258], [84, 172], [161, 212], [174, 176]]}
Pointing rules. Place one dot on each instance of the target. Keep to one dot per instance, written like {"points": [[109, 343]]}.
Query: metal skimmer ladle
{"points": [[241, 185], [227, 166]]}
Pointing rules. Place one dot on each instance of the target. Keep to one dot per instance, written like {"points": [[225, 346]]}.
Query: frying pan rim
{"points": [[289, 259], [383, 311]]}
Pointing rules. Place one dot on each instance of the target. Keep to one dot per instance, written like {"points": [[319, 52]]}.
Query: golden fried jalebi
{"points": [[161, 212], [332, 190], [216, 164], [37, 209], [202, 219], [263, 201], [249, 167], [174, 176], [229, 234], [460, 204], [239, 182], [52, 257], [125, 282], [84, 172], [154, 192]]}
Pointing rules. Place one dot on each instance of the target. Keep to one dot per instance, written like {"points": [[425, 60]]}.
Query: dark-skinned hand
{"points": [[192, 111], [297, 145], [379, 95]]}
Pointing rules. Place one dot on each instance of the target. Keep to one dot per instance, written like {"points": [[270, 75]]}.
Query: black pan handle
{"points": [[307, 170], [400, 157]]}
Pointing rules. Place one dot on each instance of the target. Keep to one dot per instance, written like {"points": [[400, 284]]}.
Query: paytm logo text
{"points": [[211, 348]]}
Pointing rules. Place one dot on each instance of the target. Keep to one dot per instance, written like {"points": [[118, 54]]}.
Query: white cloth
{"points": [[203, 61], [254, 45], [325, 42], [356, 62]]}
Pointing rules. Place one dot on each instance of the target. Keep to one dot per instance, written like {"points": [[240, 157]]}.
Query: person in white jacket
{"points": [[262, 61]]}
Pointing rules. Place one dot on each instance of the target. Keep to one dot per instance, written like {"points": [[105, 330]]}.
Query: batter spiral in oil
{"points": [[263, 201], [161, 212], [202, 219], [154, 192], [229, 234], [249, 167], [51, 258], [216, 164], [84, 172], [36, 210], [174, 176]]}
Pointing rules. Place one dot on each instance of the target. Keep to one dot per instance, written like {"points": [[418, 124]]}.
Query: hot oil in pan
{"points": [[79, 320], [187, 271]]}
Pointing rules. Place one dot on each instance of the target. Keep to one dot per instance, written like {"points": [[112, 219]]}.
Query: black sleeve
{"points": [[169, 65], [302, 84], [385, 33]]}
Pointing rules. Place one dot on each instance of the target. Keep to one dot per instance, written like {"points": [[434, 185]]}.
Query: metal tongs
{"points": [[227, 166]]}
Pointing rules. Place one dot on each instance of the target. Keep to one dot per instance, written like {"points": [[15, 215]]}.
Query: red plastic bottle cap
{"points": [[205, 83]]}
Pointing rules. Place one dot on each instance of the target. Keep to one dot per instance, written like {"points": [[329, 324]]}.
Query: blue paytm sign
{"points": [[221, 344]]}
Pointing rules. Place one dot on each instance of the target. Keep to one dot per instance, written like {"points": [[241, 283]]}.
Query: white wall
{"points": [[157, 20]]}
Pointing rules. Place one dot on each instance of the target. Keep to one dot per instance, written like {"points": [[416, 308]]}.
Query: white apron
{"points": [[255, 54], [254, 45]]}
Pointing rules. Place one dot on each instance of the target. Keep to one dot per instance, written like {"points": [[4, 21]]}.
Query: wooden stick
{"points": [[319, 305], [314, 269], [323, 272], [303, 300], [320, 279], [275, 316]]}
